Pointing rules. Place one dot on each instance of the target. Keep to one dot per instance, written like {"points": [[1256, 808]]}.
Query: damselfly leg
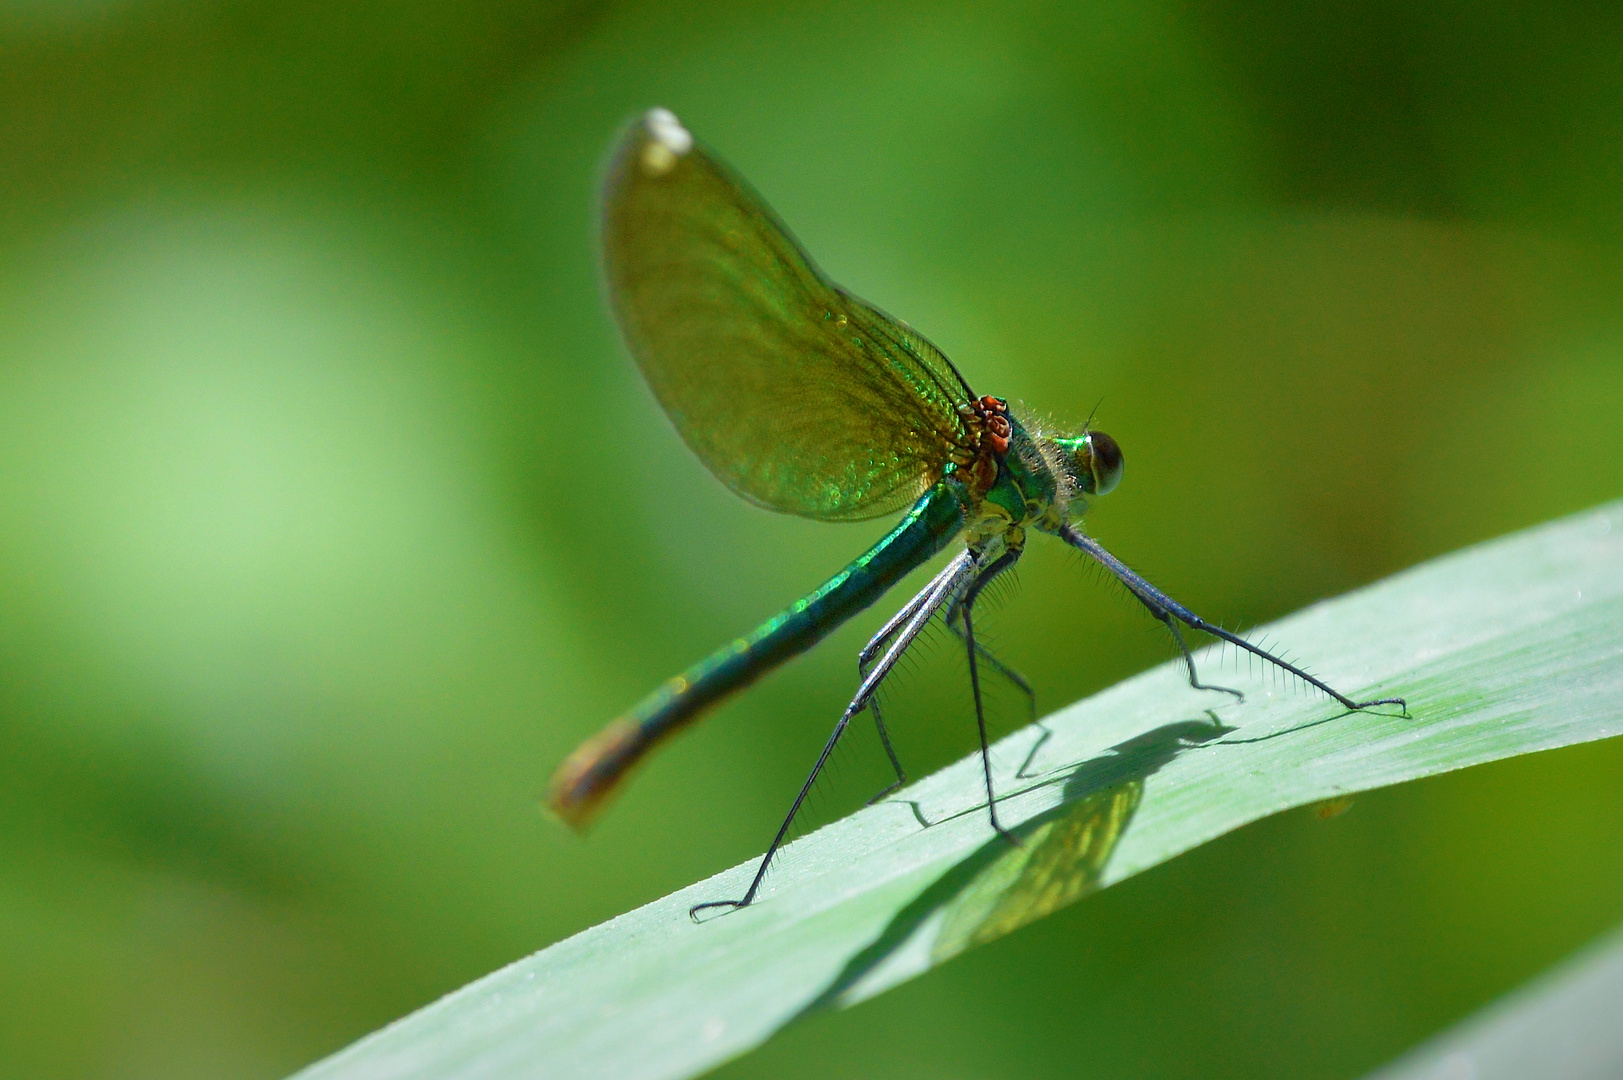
{"points": [[871, 652], [941, 591], [967, 608], [1166, 609], [954, 622]]}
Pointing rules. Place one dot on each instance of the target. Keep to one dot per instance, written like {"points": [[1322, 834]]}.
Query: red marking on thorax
{"points": [[995, 413]]}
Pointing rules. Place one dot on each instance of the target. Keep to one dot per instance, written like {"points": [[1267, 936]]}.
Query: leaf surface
{"points": [[1507, 648]]}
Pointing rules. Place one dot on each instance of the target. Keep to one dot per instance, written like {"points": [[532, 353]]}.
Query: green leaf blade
{"points": [[1560, 1026], [1508, 648]]}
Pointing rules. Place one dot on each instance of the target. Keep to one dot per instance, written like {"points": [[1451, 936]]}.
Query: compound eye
{"points": [[1102, 456]]}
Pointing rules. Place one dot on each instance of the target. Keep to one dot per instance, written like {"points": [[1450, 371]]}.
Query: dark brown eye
{"points": [[1102, 456]]}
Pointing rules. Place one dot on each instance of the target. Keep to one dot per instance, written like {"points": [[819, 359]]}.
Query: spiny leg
{"points": [[866, 658], [1166, 609], [937, 594], [954, 620], [966, 607], [1188, 657]]}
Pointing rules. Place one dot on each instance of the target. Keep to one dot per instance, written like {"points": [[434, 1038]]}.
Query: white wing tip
{"points": [[668, 131]]}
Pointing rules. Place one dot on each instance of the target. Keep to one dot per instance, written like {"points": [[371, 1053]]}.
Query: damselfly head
{"points": [[1094, 461]]}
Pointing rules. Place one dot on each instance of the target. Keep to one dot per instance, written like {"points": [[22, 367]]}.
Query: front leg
{"points": [[1166, 609]]}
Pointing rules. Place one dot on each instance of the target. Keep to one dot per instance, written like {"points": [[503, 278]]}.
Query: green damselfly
{"points": [[806, 400]]}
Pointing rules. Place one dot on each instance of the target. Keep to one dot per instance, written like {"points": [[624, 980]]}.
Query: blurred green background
{"points": [[332, 514]]}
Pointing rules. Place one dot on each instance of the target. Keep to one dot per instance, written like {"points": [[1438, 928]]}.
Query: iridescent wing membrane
{"points": [[797, 395]]}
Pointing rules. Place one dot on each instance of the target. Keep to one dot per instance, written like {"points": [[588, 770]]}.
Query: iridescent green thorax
{"points": [[1036, 471], [1023, 480], [1031, 479]]}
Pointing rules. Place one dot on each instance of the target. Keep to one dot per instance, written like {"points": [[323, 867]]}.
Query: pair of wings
{"points": [[795, 394]]}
